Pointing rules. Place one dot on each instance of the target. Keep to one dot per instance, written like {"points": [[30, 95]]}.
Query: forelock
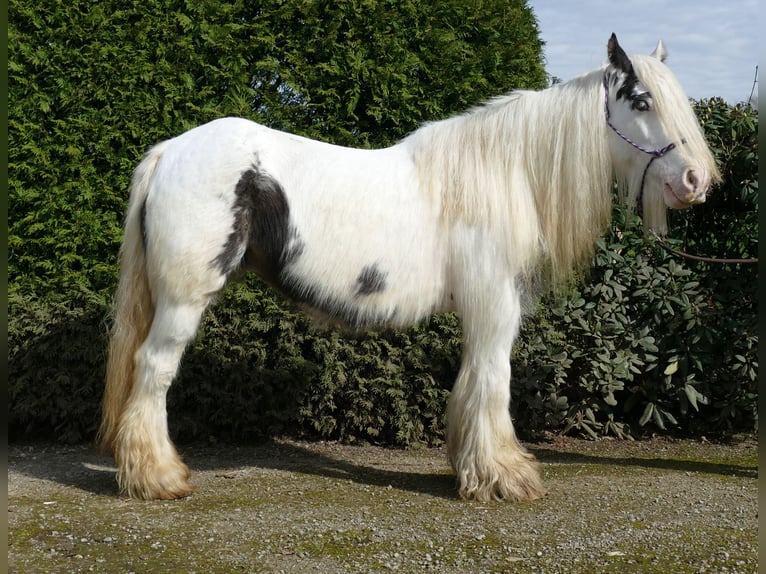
{"points": [[674, 110]]}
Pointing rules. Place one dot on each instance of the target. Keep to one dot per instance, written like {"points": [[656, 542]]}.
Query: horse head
{"points": [[656, 143]]}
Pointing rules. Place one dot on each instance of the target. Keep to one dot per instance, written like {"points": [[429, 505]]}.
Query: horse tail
{"points": [[133, 309]]}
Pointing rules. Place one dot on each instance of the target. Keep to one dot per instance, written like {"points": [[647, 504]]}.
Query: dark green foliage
{"points": [[369, 72], [56, 362], [651, 340], [93, 85], [727, 224], [644, 341]]}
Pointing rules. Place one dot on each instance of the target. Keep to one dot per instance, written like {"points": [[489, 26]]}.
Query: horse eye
{"points": [[641, 105]]}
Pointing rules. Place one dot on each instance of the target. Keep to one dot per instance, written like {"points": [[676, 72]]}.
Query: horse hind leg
{"points": [[149, 466]]}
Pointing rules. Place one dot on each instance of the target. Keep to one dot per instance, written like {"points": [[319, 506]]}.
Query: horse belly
{"points": [[393, 276], [371, 246]]}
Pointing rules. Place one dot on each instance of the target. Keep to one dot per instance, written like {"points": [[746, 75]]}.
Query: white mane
{"points": [[534, 166]]}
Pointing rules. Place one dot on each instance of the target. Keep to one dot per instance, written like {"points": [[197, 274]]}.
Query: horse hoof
{"points": [[177, 492], [514, 480], [168, 483], [166, 491]]}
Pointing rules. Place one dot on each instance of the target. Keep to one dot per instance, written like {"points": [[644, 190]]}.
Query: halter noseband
{"points": [[654, 153]]}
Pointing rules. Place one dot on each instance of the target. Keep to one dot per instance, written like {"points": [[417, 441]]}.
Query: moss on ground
{"points": [[303, 507]]}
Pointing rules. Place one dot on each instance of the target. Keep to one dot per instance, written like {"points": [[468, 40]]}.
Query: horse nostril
{"points": [[691, 180]]}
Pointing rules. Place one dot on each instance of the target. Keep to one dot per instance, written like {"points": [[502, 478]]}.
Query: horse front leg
{"points": [[483, 448]]}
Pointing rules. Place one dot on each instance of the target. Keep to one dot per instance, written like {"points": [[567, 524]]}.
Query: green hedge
{"points": [[644, 343], [641, 343]]}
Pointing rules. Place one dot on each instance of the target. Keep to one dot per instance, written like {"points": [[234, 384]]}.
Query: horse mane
{"points": [[534, 167]]}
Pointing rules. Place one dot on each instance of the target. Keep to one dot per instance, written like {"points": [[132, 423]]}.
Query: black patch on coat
{"points": [[264, 241], [262, 237], [371, 280], [337, 310], [628, 88]]}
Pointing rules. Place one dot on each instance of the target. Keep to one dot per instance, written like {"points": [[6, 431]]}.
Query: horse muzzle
{"points": [[687, 190]]}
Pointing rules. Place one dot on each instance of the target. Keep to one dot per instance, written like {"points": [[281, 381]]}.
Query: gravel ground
{"points": [[285, 506]]}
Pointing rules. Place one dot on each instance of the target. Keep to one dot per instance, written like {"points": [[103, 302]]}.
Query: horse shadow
{"points": [[83, 468], [295, 458], [548, 455]]}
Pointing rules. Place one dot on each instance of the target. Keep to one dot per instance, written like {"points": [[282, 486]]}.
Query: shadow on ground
{"points": [[82, 467], [675, 463]]}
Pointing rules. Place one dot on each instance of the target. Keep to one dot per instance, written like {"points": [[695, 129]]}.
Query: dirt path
{"points": [[286, 506]]}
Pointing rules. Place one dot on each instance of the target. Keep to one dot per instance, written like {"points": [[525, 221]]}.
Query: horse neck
{"points": [[572, 170], [533, 165]]}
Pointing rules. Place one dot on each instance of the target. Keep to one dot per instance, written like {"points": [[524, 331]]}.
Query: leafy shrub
{"points": [[651, 340], [56, 365]]}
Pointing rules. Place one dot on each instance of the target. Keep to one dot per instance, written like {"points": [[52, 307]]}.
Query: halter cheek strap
{"points": [[655, 153]]}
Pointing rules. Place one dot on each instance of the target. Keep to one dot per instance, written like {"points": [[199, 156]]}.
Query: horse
{"points": [[463, 215]]}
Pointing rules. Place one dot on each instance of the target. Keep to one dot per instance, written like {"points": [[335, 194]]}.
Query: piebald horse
{"points": [[458, 216]]}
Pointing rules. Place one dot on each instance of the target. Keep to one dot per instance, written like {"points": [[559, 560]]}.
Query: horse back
{"points": [[348, 232]]}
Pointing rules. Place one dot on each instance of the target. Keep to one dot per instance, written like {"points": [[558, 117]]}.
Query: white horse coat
{"points": [[364, 258]]}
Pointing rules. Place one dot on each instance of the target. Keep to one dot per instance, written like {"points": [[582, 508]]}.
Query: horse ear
{"points": [[660, 51], [617, 56]]}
